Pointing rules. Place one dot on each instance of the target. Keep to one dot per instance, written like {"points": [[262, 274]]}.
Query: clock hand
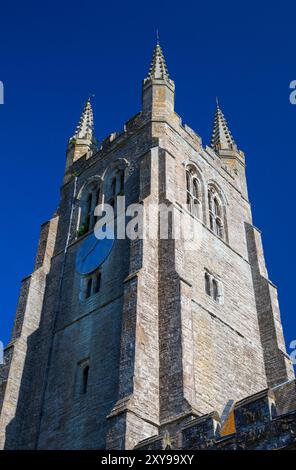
{"points": [[89, 252]]}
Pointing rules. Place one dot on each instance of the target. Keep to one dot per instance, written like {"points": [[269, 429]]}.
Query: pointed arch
{"points": [[119, 164], [194, 190], [89, 196], [217, 210], [114, 181], [214, 287], [219, 190]]}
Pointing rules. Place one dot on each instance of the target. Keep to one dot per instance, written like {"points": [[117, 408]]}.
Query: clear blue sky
{"points": [[54, 54]]}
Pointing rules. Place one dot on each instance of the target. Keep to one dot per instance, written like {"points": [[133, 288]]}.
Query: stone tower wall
{"points": [[160, 350]]}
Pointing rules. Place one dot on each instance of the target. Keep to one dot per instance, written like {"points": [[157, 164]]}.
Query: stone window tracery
{"points": [[216, 213], [193, 189], [88, 201]]}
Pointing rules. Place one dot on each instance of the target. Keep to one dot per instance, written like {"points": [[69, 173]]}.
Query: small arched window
{"points": [[207, 283], [97, 282], [84, 384], [216, 213], [82, 378], [88, 288], [193, 189], [90, 285], [213, 288]]}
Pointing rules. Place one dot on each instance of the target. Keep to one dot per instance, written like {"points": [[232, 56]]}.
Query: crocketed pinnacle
{"points": [[158, 68], [85, 126], [221, 137]]}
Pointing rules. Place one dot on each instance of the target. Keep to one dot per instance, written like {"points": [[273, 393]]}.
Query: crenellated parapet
{"points": [[254, 423]]}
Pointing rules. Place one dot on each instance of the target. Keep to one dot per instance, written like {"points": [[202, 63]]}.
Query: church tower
{"points": [[113, 346]]}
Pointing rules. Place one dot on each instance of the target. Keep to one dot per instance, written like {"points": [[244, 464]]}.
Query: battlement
{"points": [[118, 138], [257, 422]]}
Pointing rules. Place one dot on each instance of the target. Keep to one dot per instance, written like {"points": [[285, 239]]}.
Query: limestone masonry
{"points": [[157, 346]]}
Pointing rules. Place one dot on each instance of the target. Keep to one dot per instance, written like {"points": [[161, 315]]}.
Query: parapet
{"points": [[263, 421]]}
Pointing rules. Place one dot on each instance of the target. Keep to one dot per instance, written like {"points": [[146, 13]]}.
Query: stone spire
{"points": [[158, 68], [158, 91], [221, 137], [83, 143], [85, 126]]}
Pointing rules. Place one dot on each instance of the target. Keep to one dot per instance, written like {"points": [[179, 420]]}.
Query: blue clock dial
{"points": [[92, 254]]}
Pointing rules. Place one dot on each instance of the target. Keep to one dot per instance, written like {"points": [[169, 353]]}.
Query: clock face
{"points": [[92, 253]]}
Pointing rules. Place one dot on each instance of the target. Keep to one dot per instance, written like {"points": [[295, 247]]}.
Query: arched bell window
{"points": [[87, 218], [121, 181], [115, 187], [216, 213], [193, 189], [88, 200]]}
